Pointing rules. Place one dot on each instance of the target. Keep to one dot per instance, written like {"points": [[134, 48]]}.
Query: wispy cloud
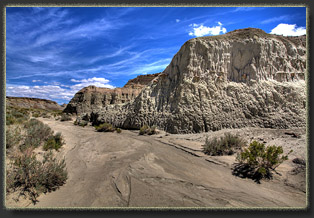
{"points": [[244, 9], [200, 30], [288, 30], [275, 19]]}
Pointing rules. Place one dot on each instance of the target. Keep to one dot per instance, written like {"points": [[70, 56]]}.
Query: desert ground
{"points": [[167, 170]]}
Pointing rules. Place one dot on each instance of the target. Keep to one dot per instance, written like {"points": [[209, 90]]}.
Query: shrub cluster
{"points": [[225, 145], [32, 177], [118, 130], [36, 133], [82, 123], [65, 117], [13, 136], [16, 115], [261, 160], [148, 130], [105, 127], [54, 142]]}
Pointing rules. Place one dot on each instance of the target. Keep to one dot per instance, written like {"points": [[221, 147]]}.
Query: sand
{"points": [[165, 170]]}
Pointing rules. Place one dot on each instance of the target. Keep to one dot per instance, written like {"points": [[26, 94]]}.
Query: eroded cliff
{"points": [[243, 78]]}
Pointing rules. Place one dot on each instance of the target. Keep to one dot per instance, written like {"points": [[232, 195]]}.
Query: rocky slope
{"points": [[243, 78], [92, 99], [37, 103]]}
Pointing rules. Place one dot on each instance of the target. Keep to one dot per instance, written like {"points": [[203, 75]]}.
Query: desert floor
{"points": [[167, 170]]}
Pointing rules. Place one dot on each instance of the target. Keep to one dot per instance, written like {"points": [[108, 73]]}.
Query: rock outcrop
{"points": [[24, 102], [243, 78], [92, 99]]}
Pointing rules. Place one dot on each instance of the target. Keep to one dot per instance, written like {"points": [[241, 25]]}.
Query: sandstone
{"points": [[92, 99], [243, 78], [37, 103]]}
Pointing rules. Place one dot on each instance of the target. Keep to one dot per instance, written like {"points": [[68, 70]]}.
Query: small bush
{"points": [[226, 145], [148, 130], [36, 133], [13, 136], [54, 142], [33, 177], [118, 130], [261, 160], [15, 115], [105, 127], [81, 123], [65, 117]]}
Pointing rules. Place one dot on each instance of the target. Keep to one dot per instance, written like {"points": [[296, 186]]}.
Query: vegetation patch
{"points": [[32, 177], [258, 162], [36, 133], [225, 145], [105, 127], [54, 142], [65, 117], [148, 130], [118, 130]]}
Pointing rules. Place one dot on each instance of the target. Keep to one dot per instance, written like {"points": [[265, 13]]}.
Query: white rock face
{"points": [[243, 78]]}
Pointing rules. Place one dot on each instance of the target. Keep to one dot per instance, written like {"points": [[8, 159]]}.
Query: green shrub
{"points": [[118, 130], [226, 145], [261, 160], [33, 177], [65, 117], [54, 142], [148, 130], [36, 133], [105, 127], [13, 136], [15, 115]]}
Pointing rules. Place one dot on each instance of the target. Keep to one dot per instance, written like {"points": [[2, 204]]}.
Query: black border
{"points": [[153, 212]]}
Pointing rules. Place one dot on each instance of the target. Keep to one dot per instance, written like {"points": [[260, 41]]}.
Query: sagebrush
{"points": [[148, 130], [225, 145], [32, 177]]}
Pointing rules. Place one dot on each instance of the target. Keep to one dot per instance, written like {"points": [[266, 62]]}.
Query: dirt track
{"points": [[128, 170]]}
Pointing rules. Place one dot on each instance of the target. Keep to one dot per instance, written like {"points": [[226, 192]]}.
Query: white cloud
{"points": [[99, 82], [288, 30], [56, 91], [177, 20], [36, 80], [200, 30]]}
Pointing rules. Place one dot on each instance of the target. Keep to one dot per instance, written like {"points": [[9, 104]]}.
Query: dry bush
{"points": [[32, 177], [105, 127], [148, 130], [225, 145]]}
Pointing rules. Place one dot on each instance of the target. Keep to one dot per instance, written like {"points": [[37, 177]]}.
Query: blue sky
{"points": [[53, 52]]}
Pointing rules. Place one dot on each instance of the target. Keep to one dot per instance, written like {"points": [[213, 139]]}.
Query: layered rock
{"points": [[243, 78], [92, 99], [24, 102]]}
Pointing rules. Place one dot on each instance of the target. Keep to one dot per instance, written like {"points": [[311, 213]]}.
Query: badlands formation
{"points": [[244, 78]]}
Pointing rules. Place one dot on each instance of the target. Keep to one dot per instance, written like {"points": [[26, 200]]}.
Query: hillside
{"points": [[242, 78]]}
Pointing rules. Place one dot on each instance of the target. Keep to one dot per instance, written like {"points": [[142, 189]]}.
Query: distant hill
{"points": [[37, 103]]}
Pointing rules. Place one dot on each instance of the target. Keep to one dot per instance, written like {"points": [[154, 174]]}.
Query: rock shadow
{"points": [[243, 170]]}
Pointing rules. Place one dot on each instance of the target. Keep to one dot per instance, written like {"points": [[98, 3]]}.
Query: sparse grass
{"points": [[226, 145], [148, 130]]}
